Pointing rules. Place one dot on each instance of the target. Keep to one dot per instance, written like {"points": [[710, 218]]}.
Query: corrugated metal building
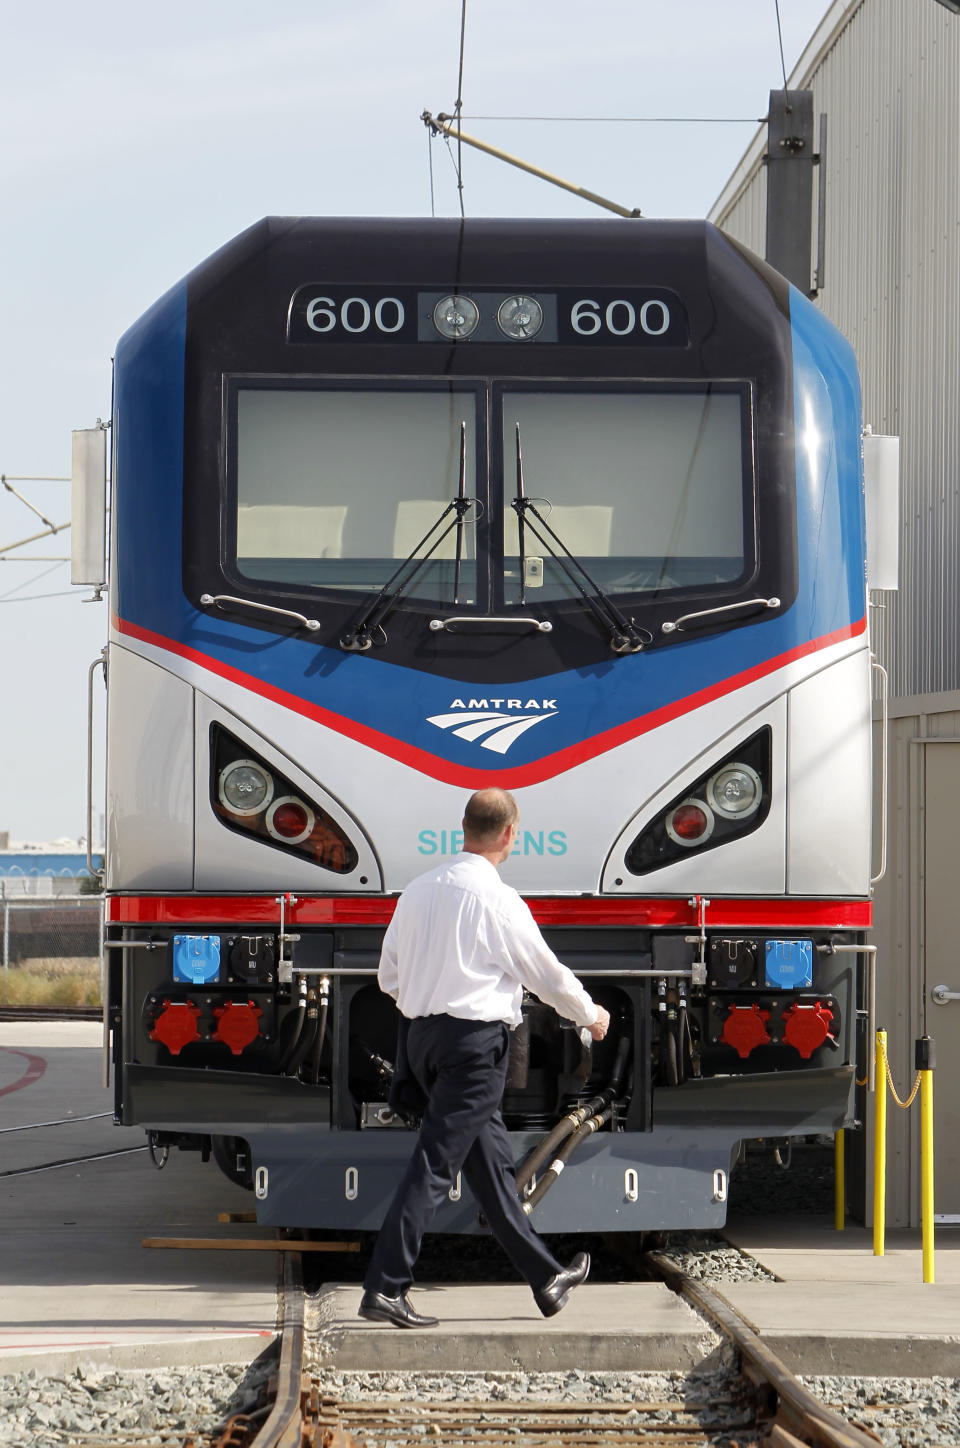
{"points": [[887, 75]]}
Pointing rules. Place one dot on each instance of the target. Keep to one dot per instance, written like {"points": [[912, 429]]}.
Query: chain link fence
{"points": [[52, 950]]}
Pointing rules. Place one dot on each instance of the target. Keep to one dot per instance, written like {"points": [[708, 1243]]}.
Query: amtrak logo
{"points": [[502, 721]]}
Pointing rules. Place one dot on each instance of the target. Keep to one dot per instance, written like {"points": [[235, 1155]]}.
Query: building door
{"points": [[941, 887]]}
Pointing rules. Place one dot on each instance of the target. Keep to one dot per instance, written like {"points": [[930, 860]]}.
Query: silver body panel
{"points": [[402, 822], [150, 785]]}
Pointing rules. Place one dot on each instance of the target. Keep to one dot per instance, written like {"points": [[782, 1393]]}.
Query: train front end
{"points": [[402, 509]]}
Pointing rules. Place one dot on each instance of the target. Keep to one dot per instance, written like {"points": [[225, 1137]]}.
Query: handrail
{"points": [[884, 754], [437, 625], [100, 663], [218, 599], [676, 625]]}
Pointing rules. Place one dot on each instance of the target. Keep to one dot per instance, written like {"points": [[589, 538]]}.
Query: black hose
{"points": [[318, 1043], [562, 1157], [532, 1164], [619, 1064], [305, 1042], [277, 1053], [681, 1028], [574, 1119]]}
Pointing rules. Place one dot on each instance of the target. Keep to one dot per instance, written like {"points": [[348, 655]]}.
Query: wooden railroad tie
{"points": [[248, 1244]]}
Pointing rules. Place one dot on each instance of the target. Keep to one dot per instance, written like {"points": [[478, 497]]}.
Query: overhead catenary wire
{"points": [[632, 120], [453, 159], [459, 104], [34, 537], [783, 63], [7, 479], [433, 202], [8, 597], [35, 597]]}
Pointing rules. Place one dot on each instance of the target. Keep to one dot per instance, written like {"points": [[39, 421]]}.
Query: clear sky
{"points": [[137, 139]]}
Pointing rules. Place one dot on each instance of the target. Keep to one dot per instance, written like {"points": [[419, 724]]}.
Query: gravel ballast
{"points": [[48, 1412], [52, 1412]]}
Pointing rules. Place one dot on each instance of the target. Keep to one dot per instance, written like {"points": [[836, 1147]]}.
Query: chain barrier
{"points": [[925, 1061], [905, 1105]]}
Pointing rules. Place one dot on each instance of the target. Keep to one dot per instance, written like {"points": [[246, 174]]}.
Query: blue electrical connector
{"points": [[196, 959], [789, 964]]}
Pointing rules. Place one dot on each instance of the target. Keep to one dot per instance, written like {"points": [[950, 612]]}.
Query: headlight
{"points": [[735, 791], [520, 318], [244, 787], [729, 800], [456, 317]]}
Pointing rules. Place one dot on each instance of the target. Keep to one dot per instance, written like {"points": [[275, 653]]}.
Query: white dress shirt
{"points": [[463, 943]]}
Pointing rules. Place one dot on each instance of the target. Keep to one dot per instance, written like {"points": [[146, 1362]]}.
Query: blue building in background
{"points": [[45, 869]]}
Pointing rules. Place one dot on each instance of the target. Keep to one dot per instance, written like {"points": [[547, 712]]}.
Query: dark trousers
{"points": [[462, 1066]]}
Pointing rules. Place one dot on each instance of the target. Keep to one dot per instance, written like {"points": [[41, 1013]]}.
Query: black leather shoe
{"points": [[551, 1298], [396, 1310]]}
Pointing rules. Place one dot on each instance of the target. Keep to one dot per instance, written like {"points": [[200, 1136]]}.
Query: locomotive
{"points": [[403, 508]]}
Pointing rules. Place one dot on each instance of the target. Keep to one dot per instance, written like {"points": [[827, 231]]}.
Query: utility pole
{"points": [[790, 160]]}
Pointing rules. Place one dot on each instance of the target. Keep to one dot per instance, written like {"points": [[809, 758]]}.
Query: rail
{"points": [[283, 1428], [799, 1416], [787, 1415]]}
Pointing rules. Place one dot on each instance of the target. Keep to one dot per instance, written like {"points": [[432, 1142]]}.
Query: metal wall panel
{"points": [[908, 964], [888, 77]]}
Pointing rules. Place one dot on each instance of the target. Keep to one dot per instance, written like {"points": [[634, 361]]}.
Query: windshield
{"points": [[644, 488], [334, 488]]}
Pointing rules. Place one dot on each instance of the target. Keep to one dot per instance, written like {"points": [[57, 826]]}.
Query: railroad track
{"points": [[51, 1013], [767, 1407]]}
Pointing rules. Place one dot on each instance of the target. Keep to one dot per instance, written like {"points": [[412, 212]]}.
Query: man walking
{"points": [[456, 956]]}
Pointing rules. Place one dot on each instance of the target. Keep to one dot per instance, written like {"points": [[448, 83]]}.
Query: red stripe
{"points": [[731, 914], [469, 777], [36, 1065]]}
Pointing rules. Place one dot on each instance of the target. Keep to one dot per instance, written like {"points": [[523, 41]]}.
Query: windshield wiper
{"points": [[461, 504], [625, 637], [361, 636]]}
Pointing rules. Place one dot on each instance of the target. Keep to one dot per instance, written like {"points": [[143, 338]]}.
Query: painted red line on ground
{"points": [[36, 1065], [469, 777]]}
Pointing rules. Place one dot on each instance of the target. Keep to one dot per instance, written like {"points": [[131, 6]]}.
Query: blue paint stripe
{"points": [[397, 700]]}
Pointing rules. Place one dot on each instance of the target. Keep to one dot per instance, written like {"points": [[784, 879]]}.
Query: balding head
{"points": [[488, 814]]}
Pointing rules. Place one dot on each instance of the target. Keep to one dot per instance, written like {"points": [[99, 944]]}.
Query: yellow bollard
{"points": [[925, 1062], [839, 1182], [880, 1147]]}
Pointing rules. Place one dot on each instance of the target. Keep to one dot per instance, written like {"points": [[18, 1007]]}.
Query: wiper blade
{"points": [[625, 637], [461, 504], [361, 636]]}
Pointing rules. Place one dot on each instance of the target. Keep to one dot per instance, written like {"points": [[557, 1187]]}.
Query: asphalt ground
{"points": [[77, 1284]]}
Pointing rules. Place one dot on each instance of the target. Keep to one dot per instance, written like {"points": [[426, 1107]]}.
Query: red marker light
{"points": [[290, 820], [691, 823]]}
